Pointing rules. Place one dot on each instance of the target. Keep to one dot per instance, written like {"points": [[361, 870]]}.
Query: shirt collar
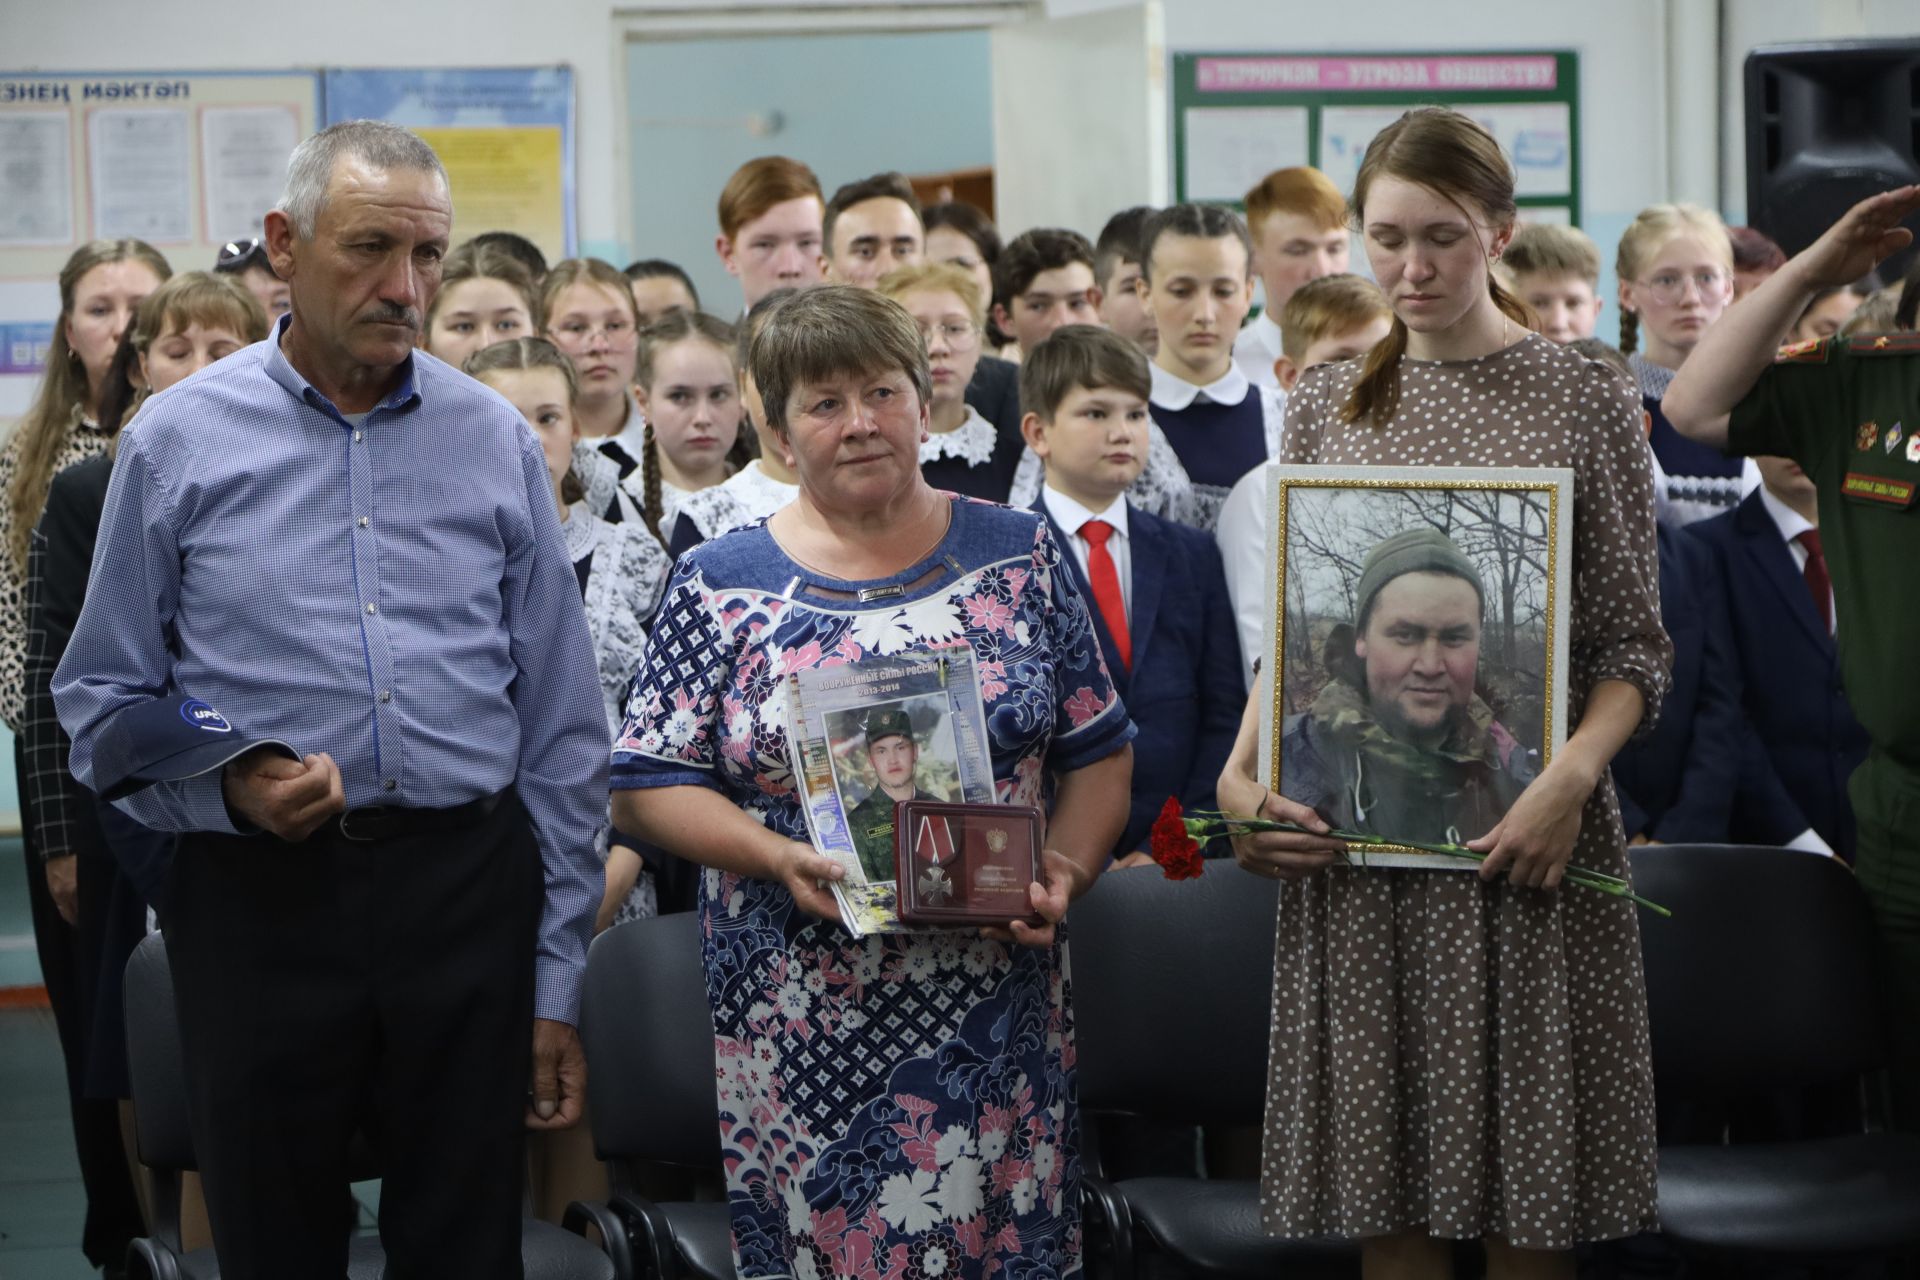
{"points": [[1790, 522], [404, 396], [1269, 330], [1176, 393], [1070, 515]]}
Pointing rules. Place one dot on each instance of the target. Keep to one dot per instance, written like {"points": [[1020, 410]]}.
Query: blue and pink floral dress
{"points": [[893, 1107]]}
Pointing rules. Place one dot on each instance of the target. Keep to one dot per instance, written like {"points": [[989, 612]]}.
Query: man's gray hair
{"points": [[374, 143]]}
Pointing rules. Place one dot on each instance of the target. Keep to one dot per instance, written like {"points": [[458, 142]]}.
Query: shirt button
{"points": [[363, 522], [371, 608], [389, 785], [356, 437], [386, 695]]}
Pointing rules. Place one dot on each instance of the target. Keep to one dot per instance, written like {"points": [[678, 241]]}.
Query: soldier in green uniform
{"points": [[893, 753], [1399, 744], [1846, 410]]}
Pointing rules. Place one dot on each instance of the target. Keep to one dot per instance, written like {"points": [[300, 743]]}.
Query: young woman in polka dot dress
{"points": [[1460, 1057]]}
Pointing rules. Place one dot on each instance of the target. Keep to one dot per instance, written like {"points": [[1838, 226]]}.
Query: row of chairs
{"points": [[1766, 979]]}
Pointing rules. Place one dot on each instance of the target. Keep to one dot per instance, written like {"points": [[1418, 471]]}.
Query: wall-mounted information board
{"points": [[505, 135], [185, 160], [1239, 116]]}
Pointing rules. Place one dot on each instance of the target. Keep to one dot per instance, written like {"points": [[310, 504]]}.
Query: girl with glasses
{"points": [[587, 310], [1675, 267], [962, 452]]}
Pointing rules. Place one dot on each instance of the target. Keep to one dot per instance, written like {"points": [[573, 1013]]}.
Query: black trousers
{"points": [[70, 971], [330, 988]]}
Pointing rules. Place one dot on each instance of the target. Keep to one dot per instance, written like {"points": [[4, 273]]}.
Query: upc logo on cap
{"points": [[201, 716]]}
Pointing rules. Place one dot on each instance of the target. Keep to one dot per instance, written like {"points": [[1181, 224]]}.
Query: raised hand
{"points": [[1865, 236]]}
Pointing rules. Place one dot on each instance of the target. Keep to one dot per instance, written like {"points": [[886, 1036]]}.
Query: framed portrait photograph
{"points": [[1418, 647]]}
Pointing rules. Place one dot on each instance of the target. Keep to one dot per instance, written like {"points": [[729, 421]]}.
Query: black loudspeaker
{"points": [[1827, 126]]}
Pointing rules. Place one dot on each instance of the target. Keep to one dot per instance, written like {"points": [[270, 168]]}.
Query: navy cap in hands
{"points": [[166, 740]]}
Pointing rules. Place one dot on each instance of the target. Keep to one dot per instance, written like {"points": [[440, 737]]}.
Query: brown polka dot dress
{"points": [[1472, 1060]]}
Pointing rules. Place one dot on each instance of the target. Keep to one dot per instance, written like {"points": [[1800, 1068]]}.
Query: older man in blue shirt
{"points": [[343, 543]]}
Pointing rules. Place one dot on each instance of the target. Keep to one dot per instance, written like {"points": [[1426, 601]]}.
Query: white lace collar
{"points": [[972, 442], [582, 527], [599, 475]]}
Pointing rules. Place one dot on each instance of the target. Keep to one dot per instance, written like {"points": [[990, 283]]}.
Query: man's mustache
{"points": [[388, 313]]}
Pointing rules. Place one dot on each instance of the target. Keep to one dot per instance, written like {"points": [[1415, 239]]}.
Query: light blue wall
{"points": [[851, 105], [9, 792]]}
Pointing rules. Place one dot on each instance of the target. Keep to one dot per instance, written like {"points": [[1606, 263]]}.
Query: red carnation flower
{"points": [[1172, 845]]}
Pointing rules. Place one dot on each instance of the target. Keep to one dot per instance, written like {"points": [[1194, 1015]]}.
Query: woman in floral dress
{"points": [[1459, 1056], [897, 1104]]}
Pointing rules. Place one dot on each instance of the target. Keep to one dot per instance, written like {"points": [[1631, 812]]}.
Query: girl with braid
{"points": [[1675, 268], [689, 390]]}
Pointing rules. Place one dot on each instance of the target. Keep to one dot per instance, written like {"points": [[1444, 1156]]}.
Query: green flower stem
{"points": [[1215, 825]]}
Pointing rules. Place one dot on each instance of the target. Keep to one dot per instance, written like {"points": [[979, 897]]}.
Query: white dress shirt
{"points": [[1070, 515], [1241, 533], [1792, 524], [1256, 348]]}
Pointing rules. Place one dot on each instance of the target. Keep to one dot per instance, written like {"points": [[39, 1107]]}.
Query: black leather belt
{"points": [[376, 823]]}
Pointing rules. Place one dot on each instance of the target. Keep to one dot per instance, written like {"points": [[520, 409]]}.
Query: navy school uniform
{"points": [[1184, 690], [1678, 783], [1220, 432], [1789, 667]]}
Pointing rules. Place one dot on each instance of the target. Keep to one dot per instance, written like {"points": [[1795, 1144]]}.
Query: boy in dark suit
{"points": [[1780, 604], [1156, 590]]}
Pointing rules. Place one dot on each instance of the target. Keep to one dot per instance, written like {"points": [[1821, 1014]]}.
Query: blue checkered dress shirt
{"points": [[396, 593]]}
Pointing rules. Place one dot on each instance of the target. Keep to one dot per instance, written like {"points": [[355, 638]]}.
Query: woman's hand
{"points": [[1533, 843], [805, 872], [1065, 881], [1284, 855]]}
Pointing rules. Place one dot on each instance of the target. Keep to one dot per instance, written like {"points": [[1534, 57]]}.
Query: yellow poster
{"points": [[506, 179]]}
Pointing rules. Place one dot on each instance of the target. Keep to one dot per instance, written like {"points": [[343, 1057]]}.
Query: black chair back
{"points": [[649, 1043], [1173, 994], [1765, 977], [155, 1061]]}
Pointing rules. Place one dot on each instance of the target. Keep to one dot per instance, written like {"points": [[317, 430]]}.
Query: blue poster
{"points": [[490, 125]]}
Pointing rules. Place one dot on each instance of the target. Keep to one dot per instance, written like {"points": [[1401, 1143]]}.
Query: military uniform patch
{"points": [[1913, 447], [1884, 344], [1864, 437], [1884, 490], [1812, 351], [1893, 437]]}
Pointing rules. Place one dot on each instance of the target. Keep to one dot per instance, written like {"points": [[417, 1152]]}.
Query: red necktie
{"points": [[1817, 580], [1106, 587]]}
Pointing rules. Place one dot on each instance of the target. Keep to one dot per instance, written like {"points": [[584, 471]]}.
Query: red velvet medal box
{"points": [[966, 864]]}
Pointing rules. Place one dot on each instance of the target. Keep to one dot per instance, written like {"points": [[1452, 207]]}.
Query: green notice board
{"points": [[1239, 116]]}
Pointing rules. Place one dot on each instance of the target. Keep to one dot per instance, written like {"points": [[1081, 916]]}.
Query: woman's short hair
{"points": [[831, 331], [936, 277]]}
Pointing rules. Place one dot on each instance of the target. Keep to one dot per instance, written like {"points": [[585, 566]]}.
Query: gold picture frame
{"points": [[1392, 709]]}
